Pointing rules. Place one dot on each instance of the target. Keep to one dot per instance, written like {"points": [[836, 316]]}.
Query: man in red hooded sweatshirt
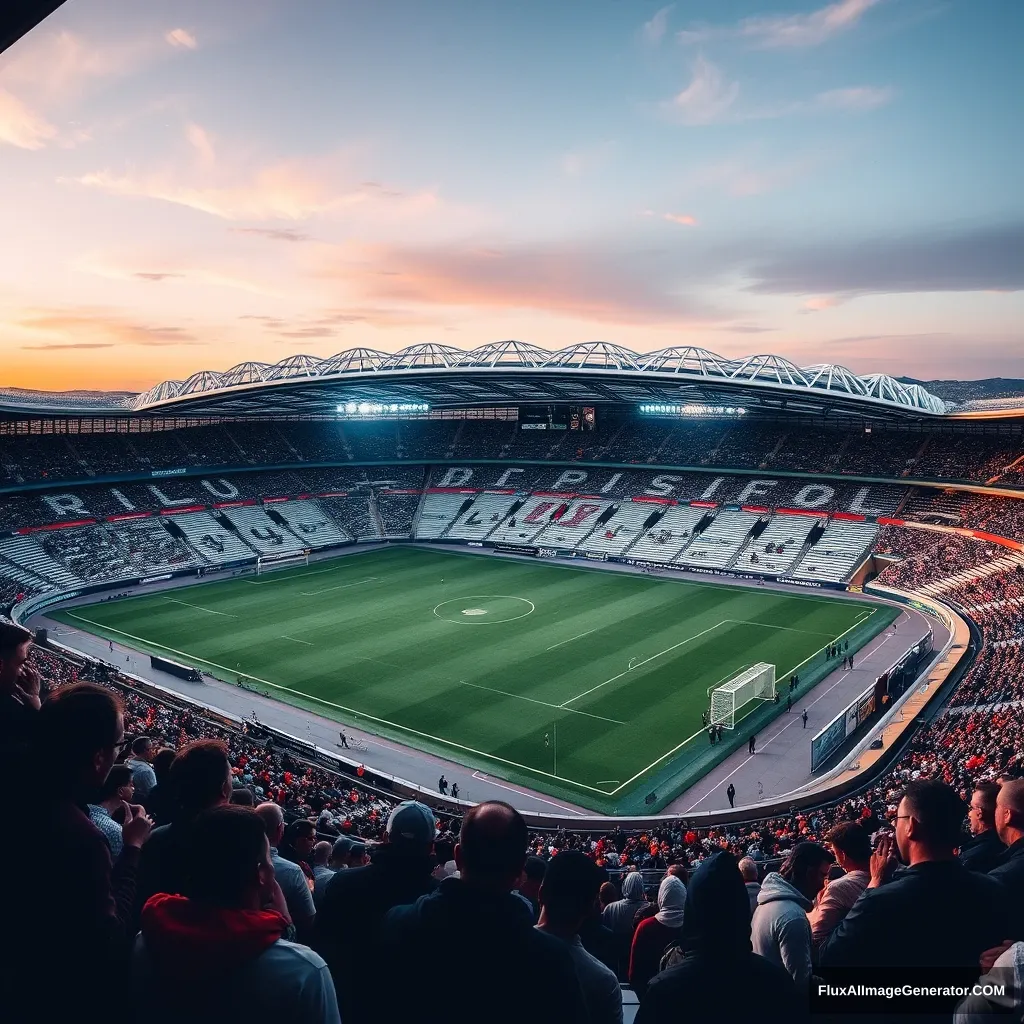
{"points": [[219, 953]]}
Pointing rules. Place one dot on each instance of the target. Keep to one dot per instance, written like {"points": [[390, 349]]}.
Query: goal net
{"points": [[264, 563], [754, 683]]}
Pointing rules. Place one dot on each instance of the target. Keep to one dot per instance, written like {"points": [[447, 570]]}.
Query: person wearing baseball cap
{"points": [[356, 900]]}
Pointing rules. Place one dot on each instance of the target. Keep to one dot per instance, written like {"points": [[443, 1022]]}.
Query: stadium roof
{"points": [[20, 16], [503, 373]]}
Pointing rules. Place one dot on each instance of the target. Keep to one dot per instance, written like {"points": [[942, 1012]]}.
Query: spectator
{"points": [[1009, 819], [905, 921], [160, 802], [715, 975], [851, 846], [355, 902], [74, 929], [241, 796], [477, 924], [297, 846], [984, 849], [567, 898], [289, 875], [217, 952], [141, 765], [115, 797], [529, 885], [199, 778], [607, 895], [780, 930], [19, 695], [322, 872], [749, 874], [618, 917], [657, 932], [1006, 969]]}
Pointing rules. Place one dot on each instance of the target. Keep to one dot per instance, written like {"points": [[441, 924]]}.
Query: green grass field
{"points": [[582, 683]]}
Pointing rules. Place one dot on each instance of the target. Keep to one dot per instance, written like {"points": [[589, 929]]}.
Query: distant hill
{"points": [[974, 391]]}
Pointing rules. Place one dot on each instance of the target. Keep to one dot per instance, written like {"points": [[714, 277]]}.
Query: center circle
{"points": [[483, 609]]}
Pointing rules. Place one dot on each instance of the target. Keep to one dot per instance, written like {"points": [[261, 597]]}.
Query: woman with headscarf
{"points": [[714, 973], [656, 933]]}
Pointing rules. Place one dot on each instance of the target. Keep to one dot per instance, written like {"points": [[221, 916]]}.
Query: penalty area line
{"points": [[199, 607], [557, 707], [295, 641], [340, 586], [570, 640]]}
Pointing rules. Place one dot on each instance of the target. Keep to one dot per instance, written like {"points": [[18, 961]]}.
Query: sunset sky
{"points": [[187, 185]]}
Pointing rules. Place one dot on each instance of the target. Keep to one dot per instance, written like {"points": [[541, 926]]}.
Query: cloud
{"points": [[744, 176], [786, 31], [653, 31], [584, 161], [603, 281], [21, 126], [69, 345], [201, 141], [94, 327], [940, 260], [819, 302], [863, 97], [287, 190], [274, 234], [707, 99], [154, 276], [686, 219], [181, 38]]}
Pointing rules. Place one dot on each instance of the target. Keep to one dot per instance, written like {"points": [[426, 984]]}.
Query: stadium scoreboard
{"points": [[557, 417]]}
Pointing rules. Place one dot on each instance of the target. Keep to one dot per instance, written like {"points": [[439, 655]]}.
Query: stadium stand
{"points": [[718, 544], [837, 552], [214, 541], [664, 539], [776, 549], [476, 522], [624, 527]]}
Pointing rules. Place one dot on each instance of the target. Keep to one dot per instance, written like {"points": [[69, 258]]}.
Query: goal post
{"points": [[754, 683], [264, 563]]}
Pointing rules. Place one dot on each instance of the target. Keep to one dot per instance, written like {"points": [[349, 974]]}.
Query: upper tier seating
{"points": [[840, 550]]}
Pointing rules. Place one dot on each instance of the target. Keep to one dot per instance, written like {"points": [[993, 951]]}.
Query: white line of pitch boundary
{"points": [[340, 707], [294, 641], [570, 640], [640, 664], [340, 586], [533, 700], [199, 607]]}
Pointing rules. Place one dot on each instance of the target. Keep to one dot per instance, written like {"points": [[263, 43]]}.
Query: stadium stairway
{"points": [[672, 532], [309, 523], [839, 550], [375, 516]]}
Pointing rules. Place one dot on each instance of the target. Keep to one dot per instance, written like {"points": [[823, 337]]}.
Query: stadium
{"points": [[337, 669]]}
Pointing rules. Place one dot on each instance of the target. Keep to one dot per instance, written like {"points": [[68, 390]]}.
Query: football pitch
{"points": [[582, 683]]}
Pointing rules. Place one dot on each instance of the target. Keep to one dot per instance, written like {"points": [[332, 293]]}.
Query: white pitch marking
{"points": [[480, 777], [640, 664], [294, 641], [557, 707], [570, 640], [341, 586], [199, 607]]}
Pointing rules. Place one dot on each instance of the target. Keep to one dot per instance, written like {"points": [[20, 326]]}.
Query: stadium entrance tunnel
{"points": [[484, 609]]}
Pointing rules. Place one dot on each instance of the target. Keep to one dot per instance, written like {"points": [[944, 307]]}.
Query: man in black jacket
{"points": [[985, 849], [932, 913], [1009, 821], [716, 975], [356, 900], [508, 970]]}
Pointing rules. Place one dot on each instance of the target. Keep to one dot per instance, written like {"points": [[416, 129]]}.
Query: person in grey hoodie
{"points": [[780, 931], [749, 873], [618, 916]]}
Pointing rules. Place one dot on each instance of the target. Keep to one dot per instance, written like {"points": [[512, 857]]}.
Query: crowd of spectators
{"points": [[929, 555], [616, 438]]}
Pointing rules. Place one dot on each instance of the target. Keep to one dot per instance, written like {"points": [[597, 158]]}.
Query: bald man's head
{"points": [[273, 821], [491, 850], [1010, 812]]}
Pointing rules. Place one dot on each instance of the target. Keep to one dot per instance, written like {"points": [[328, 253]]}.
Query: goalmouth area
{"points": [[585, 684]]}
